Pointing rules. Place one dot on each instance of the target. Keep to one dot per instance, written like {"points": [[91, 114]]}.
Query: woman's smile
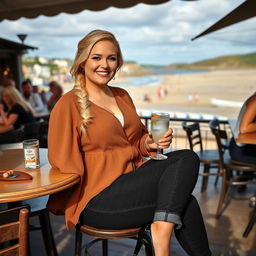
{"points": [[102, 63]]}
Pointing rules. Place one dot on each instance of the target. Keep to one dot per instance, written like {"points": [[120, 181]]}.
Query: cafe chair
{"points": [[14, 231], [12, 136], [141, 234], [38, 209], [33, 130], [228, 167], [44, 134], [208, 158]]}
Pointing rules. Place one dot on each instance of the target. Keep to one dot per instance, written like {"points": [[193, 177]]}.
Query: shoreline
{"points": [[192, 92]]}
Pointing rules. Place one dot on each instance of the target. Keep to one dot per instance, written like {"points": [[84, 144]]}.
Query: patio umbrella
{"points": [[244, 11], [15, 9]]}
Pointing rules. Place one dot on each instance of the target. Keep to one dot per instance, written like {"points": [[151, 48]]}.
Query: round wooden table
{"points": [[46, 180], [247, 138]]}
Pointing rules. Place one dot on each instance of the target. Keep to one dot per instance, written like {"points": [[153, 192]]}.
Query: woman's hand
{"points": [[163, 142]]}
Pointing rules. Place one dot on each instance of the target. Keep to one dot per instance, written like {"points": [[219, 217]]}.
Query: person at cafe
{"points": [[33, 99], [246, 123], [94, 131], [18, 110], [57, 92], [6, 83], [46, 95], [9, 82]]}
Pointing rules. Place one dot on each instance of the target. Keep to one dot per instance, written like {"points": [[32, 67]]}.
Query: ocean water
{"points": [[150, 80], [136, 81], [160, 70]]}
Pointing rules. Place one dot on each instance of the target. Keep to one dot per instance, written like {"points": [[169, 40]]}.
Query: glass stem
{"points": [[159, 150]]}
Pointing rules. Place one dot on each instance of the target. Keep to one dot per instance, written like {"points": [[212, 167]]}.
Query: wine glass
{"points": [[159, 125]]}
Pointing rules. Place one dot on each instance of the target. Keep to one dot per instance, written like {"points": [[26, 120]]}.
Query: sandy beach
{"points": [[193, 93]]}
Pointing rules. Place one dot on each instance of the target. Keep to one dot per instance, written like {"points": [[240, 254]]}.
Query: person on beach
{"points": [[94, 131]]}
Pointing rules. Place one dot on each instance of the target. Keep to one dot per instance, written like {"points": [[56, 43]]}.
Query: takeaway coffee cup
{"points": [[31, 153]]}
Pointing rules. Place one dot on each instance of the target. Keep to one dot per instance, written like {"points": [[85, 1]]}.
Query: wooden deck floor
{"points": [[225, 234]]}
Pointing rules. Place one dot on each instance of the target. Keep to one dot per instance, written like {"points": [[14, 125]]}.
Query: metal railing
{"points": [[180, 140]]}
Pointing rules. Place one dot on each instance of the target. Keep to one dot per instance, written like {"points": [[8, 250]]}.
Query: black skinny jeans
{"points": [[158, 190], [245, 153]]}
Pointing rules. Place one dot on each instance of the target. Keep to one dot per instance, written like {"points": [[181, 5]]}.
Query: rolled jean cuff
{"points": [[168, 217]]}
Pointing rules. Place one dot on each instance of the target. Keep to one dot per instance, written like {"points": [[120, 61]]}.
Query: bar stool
{"points": [[141, 234]]}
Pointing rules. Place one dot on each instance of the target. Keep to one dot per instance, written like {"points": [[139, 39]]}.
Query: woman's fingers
{"points": [[168, 133], [167, 139]]}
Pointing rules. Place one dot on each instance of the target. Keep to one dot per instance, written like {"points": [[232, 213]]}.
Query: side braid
{"points": [[83, 102], [77, 71]]}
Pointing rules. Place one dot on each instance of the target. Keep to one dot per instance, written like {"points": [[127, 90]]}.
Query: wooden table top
{"points": [[246, 138], [46, 180]]}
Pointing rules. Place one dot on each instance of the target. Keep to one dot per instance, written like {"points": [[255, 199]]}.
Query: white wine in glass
{"points": [[159, 126]]}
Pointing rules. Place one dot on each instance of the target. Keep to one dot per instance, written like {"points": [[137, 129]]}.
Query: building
{"points": [[11, 59]]}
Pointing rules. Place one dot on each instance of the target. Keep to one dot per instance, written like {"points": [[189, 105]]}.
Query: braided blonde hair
{"points": [[78, 73]]}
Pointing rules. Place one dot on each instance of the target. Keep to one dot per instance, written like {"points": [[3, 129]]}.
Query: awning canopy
{"points": [[15, 9], [7, 44], [244, 11]]}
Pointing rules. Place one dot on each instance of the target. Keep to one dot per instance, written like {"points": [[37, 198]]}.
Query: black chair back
{"points": [[221, 136], [33, 130], [12, 136], [193, 134]]}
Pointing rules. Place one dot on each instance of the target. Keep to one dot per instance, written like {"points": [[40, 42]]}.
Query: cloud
{"points": [[159, 34]]}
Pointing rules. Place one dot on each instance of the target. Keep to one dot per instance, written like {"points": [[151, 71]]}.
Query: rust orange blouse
{"points": [[105, 152]]}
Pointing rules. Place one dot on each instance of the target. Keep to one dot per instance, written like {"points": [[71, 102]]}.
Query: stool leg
{"points": [[145, 237], [216, 181], [205, 178], [104, 247], [48, 238], [138, 246], [78, 241], [251, 223]]}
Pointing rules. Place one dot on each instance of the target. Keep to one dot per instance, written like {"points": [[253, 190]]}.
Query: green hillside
{"points": [[225, 62]]}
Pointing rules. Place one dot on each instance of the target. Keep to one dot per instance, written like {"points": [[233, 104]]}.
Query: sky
{"points": [[148, 34]]}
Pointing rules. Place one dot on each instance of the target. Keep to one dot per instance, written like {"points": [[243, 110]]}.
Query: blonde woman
{"points": [[94, 131], [18, 111]]}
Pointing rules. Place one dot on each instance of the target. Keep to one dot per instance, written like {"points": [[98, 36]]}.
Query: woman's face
{"points": [[102, 63]]}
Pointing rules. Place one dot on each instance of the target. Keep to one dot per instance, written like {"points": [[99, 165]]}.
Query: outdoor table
{"points": [[46, 180], [44, 116], [247, 138]]}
